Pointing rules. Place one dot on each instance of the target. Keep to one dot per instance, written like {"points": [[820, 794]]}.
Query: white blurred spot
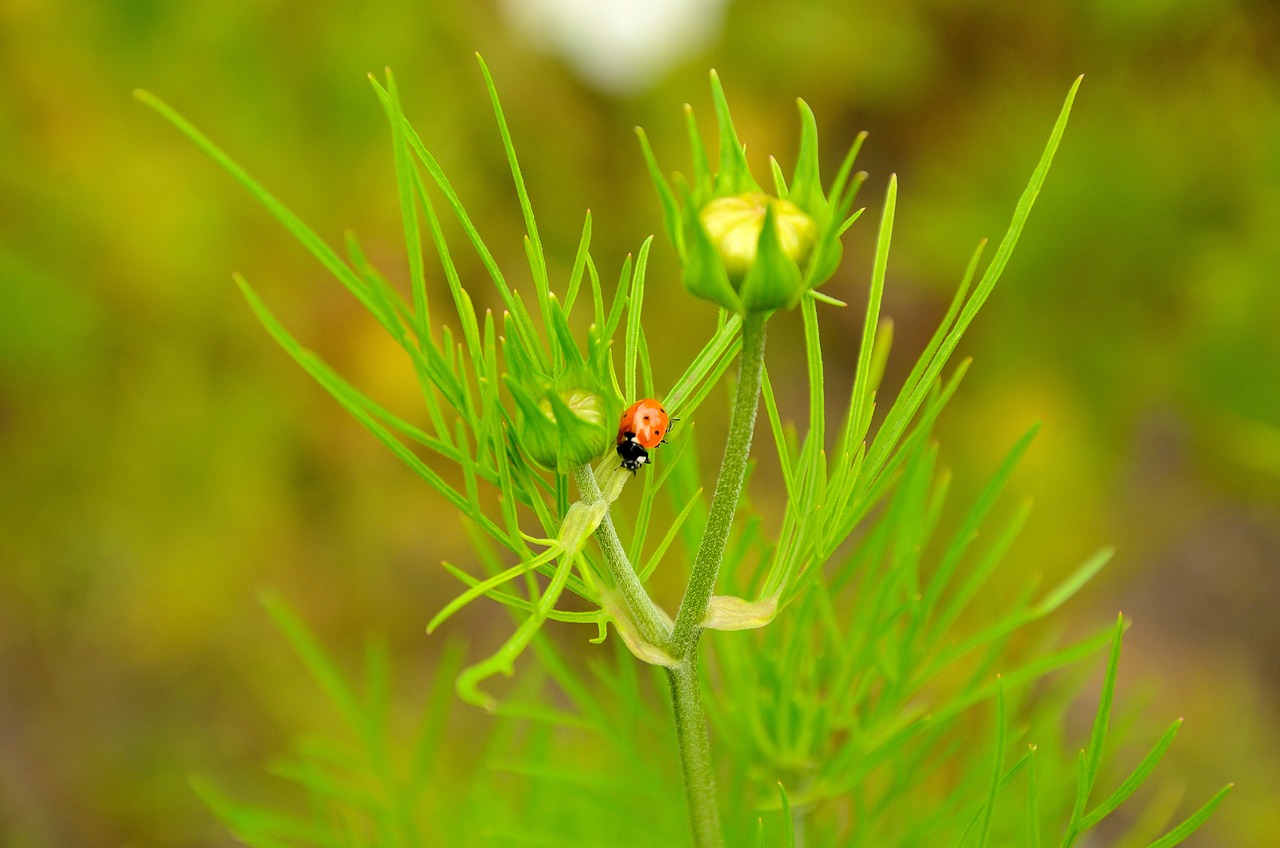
{"points": [[618, 46]]}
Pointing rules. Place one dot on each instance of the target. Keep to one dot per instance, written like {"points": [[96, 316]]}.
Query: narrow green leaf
{"points": [[813, 354], [377, 663], [435, 713], [1002, 726], [317, 662], [698, 151], [927, 356], [779, 181], [779, 437], [895, 425], [597, 296], [646, 388], [389, 299], [672, 531], [333, 790], [1134, 780], [579, 265], [345, 395], [621, 295], [862, 375], [1025, 673], [462, 303], [503, 660], [538, 260], [880, 353], [973, 521], [825, 298], [526, 332], [670, 209], [523, 604], [836, 197], [721, 347], [806, 186], [1074, 582], [635, 307], [1033, 802], [1103, 716], [959, 598], [408, 209], [689, 404], [734, 175], [1193, 822], [262, 828], [788, 824], [304, 234]]}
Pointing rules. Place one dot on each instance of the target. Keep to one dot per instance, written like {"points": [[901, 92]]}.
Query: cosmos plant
{"points": [[858, 664]]}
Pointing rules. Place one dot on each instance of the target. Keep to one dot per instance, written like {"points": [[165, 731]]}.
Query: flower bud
{"points": [[745, 249], [735, 224], [568, 415], [567, 429]]}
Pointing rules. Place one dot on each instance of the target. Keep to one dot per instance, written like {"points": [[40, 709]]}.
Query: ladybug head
{"points": [[633, 454]]}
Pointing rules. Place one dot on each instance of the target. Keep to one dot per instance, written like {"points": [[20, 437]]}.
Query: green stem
{"points": [[724, 503], [650, 623], [695, 754], [686, 691]]}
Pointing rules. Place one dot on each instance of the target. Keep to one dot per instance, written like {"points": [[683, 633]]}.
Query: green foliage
{"points": [[851, 695], [367, 787]]}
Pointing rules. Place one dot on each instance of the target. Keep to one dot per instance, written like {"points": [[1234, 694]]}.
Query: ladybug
{"points": [[642, 427]]}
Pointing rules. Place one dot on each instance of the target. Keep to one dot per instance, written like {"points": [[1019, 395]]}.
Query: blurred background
{"points": [[161, 461]]}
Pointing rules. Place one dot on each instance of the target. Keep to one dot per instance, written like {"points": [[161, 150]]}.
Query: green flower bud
{"points": [[568, 413], [745, 249], [564, 428]]}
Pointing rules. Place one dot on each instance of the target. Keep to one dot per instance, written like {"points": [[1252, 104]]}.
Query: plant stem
{"points": [[686, 691], [724, 503], [695, 753], [648, 621]]}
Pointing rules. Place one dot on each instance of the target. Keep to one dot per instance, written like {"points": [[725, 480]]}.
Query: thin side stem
{"points": [[724, 503], [648, 621], [695, 754]]}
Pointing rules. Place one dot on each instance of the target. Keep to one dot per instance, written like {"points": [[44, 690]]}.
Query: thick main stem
{"points": [[686, 691], [695, 754], [682, 642], [724, 503]]}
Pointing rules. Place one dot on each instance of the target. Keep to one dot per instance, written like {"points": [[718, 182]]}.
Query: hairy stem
{"points": [[686, 692], [724, 503], [695, 754], [649, 622]]}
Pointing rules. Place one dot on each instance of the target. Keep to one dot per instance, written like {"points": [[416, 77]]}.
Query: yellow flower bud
{"points": [[734, 225]]}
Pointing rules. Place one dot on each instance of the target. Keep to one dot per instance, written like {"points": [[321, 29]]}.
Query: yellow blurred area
{"points": [[161, 461]]}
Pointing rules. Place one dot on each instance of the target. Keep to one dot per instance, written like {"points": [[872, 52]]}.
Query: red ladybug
{"points": [[642, 427]]}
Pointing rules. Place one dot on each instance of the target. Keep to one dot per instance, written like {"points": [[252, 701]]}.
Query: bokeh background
{"points": [[161, 462]]}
